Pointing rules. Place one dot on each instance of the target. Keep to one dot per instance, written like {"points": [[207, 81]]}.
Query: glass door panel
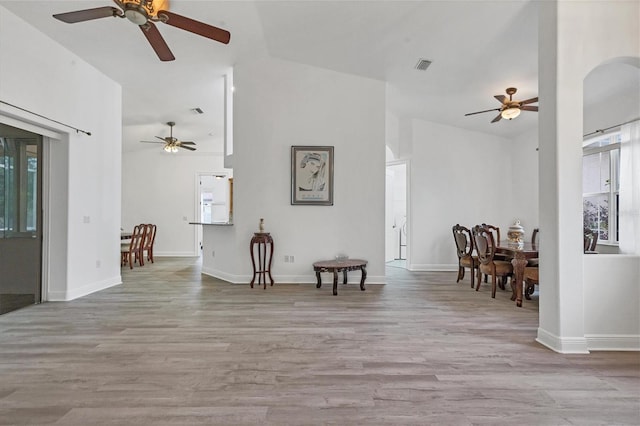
{"points": [[20, 218]]}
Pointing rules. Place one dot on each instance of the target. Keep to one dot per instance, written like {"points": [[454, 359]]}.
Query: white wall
{"points": [[160, 188], [83, 183], [447, 164], [611, 299], [278, 104], [524, 180]]}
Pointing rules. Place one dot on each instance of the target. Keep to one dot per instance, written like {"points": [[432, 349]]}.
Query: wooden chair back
{"points": [[485, 244], [149, 239], [590, 240], [463, 240], [132, 253], [495, 232], [150, 235], [136, 238], [534, 236]]}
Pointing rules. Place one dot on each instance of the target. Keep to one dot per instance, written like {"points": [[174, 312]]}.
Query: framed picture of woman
{"points": [[312, 175]]}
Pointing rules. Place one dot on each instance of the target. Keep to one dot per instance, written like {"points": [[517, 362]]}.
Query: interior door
{"points": [[20, 218]]}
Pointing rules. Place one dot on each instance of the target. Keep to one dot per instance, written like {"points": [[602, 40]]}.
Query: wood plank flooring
{"points": [[173, 347]]}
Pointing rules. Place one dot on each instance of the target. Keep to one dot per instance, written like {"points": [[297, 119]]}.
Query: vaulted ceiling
{"points": [[477, 49]]}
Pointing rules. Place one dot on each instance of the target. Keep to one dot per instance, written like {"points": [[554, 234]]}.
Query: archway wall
{"points": [[575, 37]]}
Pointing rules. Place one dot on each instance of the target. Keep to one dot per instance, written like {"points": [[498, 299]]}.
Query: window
{"points": [[601, 185], [19, 186]]}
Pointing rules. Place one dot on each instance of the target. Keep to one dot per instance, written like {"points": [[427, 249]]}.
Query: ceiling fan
{"points": [[172, 144], [144, 13], [510, 109]]}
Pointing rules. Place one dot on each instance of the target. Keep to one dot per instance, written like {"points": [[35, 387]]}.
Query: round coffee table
{"points": [[336, 266]]}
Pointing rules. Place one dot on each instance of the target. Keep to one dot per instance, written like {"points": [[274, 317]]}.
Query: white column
{"points": [[560, 169]]}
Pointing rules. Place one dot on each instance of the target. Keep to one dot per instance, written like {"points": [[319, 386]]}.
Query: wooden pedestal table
{"points": [[336, 266], [518, 256], [263, 244]]}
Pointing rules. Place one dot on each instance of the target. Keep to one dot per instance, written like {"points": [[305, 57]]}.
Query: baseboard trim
{"points": [[66, 296], [292, 279], [428, 267], [563, 345], [224, 276], [614, 342]]}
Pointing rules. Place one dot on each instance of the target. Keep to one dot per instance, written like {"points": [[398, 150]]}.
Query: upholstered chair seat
{"points": [[502, 268]]}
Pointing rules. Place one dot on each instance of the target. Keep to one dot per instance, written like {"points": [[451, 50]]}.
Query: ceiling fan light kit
{"points": [[510, 113], [510, 109], [144, 13]]}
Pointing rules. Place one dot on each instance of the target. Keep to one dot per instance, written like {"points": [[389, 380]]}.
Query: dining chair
{"points": [[495, 232], [489, 265], [149, 239], [534, 236], [130, 251], [464, 247], [590, 241], [534, 241]]}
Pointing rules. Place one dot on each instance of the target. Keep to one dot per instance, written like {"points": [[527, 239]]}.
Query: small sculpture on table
{"points": [[515, 235]]}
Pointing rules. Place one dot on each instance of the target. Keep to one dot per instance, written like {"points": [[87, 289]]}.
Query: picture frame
{"points": [[312, 175]]}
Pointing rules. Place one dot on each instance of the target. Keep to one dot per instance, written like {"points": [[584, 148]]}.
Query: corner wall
{"points": [[278, 104], [446, 165], [160, 188]]}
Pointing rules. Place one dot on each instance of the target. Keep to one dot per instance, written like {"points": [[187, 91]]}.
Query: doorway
{"points": [[20, 218], [213, 200], [396, 220]]}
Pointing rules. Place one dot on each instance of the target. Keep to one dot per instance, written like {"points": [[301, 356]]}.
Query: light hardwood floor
{"points": [[173, 347]]}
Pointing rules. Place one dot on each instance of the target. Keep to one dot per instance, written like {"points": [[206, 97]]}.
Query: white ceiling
{"points": [[478, 49]]}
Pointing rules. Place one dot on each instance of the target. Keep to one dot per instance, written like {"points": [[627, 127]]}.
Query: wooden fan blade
{"points": [[162, 139], [187, 143], [480, 112], [156, 41], [498, 118], [529, 101], [187, 147], [529, 108], [151, 142], [87, 14], [196, 27], [501, 98]]}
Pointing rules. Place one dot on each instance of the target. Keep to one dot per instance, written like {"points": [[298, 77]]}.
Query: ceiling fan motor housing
{"points": [[136, 13]]}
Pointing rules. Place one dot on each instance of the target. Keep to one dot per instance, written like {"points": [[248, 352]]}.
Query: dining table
{"points": [[519, 255]]}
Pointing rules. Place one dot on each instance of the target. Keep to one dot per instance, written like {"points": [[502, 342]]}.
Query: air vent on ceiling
{"points": [[422, 64], [197, 110]]}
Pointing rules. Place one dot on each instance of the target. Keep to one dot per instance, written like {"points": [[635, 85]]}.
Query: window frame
{"points": [[613, 194]]}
